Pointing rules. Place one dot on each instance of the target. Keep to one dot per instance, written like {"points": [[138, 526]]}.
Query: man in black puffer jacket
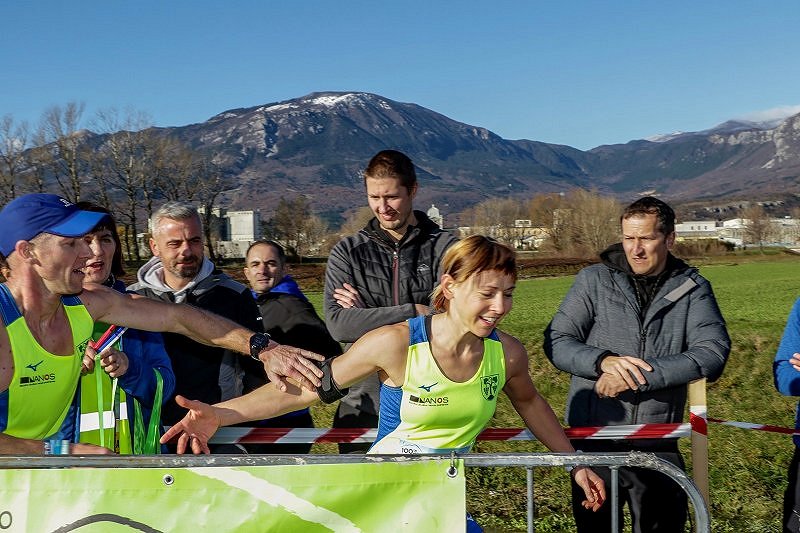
{"points": [[289, 318], [382, 275]]}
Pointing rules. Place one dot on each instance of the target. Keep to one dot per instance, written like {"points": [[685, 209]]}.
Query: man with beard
{"points": [[48, 318], [382, 275], [180, 272]]}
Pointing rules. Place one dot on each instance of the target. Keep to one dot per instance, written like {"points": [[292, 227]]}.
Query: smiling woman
{"points": [[440, 374]]}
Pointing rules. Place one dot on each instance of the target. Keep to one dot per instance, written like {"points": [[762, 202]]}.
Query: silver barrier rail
{"points": [[614, 461]]}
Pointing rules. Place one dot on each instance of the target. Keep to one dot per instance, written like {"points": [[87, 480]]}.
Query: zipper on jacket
{"points": [[642, 346], [396, 275], [642, 340]]}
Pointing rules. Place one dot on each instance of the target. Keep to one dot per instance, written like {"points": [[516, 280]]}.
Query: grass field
{"points": [[747, 468]]}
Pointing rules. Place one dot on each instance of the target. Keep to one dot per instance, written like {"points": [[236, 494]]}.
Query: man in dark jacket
{"points": [[634, 331], [382, 275], [180, 272], [289, 318]]}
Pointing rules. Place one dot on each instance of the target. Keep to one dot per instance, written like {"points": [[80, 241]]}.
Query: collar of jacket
{"points": [[425, 225], [614, 258], [287, 285]]}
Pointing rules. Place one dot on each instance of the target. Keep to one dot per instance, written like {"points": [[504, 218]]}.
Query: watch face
{"points": [[258, 342]]}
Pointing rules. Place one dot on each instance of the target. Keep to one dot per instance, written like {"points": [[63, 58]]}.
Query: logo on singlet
{"points": [[489, 386], [430, 401], [37, 379], [81, 348], [427, 388], [34, 366]]}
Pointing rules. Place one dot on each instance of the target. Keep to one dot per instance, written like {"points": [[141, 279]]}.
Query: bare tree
{"points": [[757, 225], [495, 217], [207, 186], [296, 227], [356, 220], [67, 148], [33, 180], [549, 211], [595, 220], [13, 142], [121, 167]]}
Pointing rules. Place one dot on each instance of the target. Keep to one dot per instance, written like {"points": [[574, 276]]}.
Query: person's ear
{"points": [[153, 247], [670, 240], [448, 284], [25, 250]]}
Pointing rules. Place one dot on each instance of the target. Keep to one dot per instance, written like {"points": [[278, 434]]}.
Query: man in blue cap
{"points": [[48, 318]]}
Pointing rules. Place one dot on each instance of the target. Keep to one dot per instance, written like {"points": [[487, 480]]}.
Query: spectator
{"points": [[180, 272], [133, 359], [289, 318], [634, 331], [787, 380], [48, 318], [382, 275]]}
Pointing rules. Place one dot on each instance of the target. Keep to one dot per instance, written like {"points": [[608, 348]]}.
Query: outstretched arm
{"points": [[542, 421], [132, 310], [383, 349], [203, 420]]}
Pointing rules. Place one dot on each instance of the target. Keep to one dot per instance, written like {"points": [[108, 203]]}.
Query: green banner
{"points": [[372, 497]]}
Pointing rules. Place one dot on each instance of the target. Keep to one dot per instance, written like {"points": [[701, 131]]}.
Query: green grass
{"points": [[747, 468]]}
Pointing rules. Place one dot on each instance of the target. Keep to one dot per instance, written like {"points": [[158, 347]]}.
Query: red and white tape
{"points": [[240, 435]]}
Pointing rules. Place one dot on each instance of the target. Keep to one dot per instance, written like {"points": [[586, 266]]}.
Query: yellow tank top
{"points": [[432, 414], [43, 385]]}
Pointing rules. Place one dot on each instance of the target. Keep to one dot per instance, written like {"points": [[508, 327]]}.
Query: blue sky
{"points": [[575, 73]]}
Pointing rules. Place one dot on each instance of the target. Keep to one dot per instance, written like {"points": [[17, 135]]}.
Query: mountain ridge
{"points": [[318, 144]]}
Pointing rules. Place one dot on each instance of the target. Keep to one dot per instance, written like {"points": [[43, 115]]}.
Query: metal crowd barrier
{"points": [[483, 460]]}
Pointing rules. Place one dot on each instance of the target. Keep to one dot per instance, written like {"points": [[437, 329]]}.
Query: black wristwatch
{"points": [[258, 342]]}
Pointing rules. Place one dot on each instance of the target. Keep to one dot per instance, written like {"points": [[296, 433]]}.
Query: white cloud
{"points": [[773, 114]]}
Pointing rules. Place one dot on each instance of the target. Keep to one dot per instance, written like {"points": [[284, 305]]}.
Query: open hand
{"points": [[195, 429]]}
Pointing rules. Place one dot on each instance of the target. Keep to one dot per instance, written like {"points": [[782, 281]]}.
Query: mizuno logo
{"points": [[426, 388], [34, 366]]}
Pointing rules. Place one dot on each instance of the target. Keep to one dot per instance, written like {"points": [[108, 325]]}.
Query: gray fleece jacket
{"points": [[681, 334]]}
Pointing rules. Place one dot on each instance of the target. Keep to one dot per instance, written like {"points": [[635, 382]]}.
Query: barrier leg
{"points": [[531, 509], [698, 413]]}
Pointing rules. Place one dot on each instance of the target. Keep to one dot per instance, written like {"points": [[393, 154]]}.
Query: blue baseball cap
{"points": [[27, 216]]}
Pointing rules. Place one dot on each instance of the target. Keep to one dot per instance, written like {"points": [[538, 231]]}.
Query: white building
{"points": [[435, 216]]}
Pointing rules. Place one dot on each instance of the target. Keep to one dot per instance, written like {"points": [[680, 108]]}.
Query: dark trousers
{"points": [[656, 503], [349, 418], [791, 498]]}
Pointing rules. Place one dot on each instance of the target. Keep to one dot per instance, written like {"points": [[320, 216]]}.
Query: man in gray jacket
{"points": [[634, 331], [180, 272], [382, 275]]}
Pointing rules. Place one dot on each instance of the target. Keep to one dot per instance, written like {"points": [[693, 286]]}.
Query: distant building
{"points": [[236, 230], [783, 231], [435, 216], [232, 232], [696, 229]]}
